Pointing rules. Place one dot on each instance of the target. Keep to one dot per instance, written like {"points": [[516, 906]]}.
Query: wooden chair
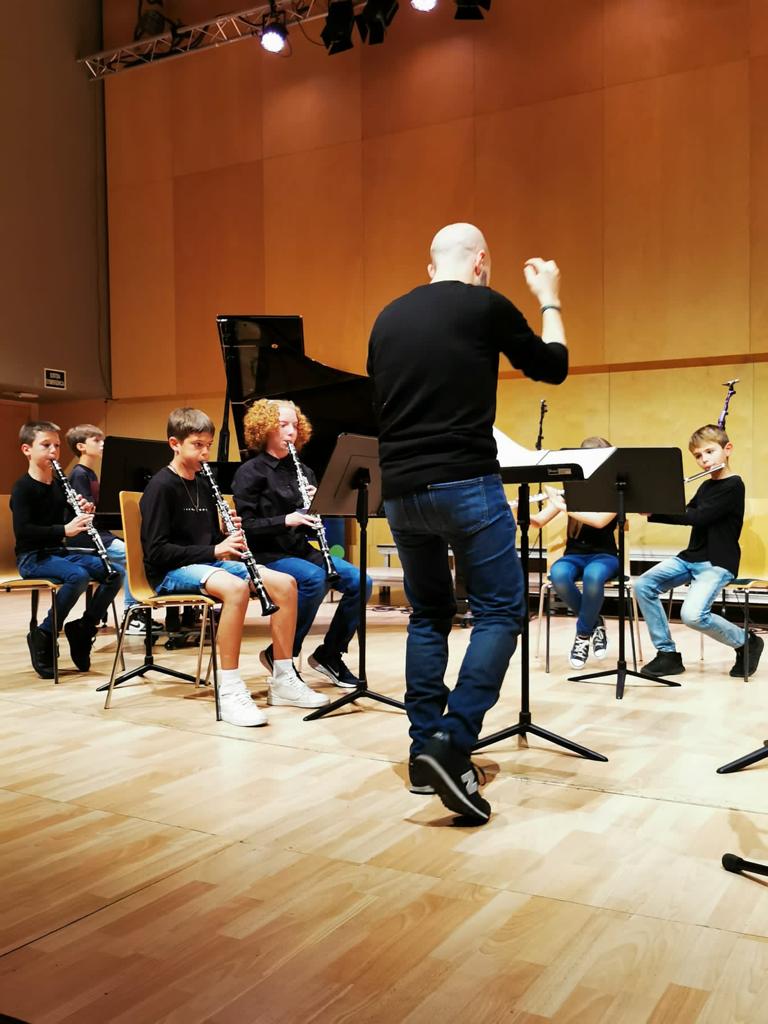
{"points": [[147, 601], [555, 540], [11, 582]]}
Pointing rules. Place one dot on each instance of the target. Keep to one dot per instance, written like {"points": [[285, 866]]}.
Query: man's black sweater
{"points": [[716, 513], [39, 514], [434, 359], [179, 524]]}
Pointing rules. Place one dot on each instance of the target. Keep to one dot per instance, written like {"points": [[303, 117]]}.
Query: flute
{"points": [[268, 606], [330, 570], [704, 472], [72, 500]]}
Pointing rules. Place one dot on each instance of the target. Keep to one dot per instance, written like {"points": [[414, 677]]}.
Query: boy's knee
{"points": [[76, 576], [693, 617], [313, 584]]}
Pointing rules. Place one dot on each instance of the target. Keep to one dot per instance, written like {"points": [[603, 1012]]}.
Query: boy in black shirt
{"points": [[185, 552], [87, 443], [716, 514], [44, 524]]}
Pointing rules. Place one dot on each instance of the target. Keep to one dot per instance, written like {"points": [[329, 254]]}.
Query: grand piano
{"points": [[264, 358]]}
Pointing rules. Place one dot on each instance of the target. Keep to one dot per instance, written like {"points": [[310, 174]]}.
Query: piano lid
{"points": [[264, 358]]}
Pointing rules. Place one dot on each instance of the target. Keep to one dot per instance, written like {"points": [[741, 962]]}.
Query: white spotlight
{"points": [[274, 37], [423, 5]]}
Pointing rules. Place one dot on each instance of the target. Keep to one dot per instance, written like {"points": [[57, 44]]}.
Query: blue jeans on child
{"points": [[595, 571], [312, 585], [74, 570], [474, 518], [116, 552], [706, 582]]}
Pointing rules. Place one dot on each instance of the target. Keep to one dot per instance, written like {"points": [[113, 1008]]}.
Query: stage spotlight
{"points": [[375, 19], [469, 10], [339, 22], [274, 34], [423, 5]]}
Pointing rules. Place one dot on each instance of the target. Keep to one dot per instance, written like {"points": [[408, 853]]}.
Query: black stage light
{"points": [[374, 20], [337, 32], [469, 10]]}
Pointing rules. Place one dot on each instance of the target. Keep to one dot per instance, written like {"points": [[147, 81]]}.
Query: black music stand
{"points": [[350, 486], [745, 760], [552, 467], [631, 480]]}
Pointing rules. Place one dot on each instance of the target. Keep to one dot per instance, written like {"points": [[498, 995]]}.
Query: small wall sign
{"points": [[56, 379]]}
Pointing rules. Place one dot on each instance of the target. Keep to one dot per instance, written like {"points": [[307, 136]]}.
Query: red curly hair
{"points": [[264, 416]]}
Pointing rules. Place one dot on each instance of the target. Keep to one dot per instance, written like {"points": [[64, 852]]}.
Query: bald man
{"points": [[434, 360]]}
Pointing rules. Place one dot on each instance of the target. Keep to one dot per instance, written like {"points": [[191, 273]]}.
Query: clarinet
{"points": [[331, 575], [268, 606], [731, 392], [71, 495]]}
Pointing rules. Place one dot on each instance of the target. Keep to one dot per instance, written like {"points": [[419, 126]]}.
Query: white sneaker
{"points": [[293, 691], [237, 708]]}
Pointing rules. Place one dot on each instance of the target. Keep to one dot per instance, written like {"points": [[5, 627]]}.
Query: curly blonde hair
{"points": [[264, 417]]}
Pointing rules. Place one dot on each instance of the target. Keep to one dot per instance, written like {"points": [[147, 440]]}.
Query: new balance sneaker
{"points": [[138, 627], [332, 666], [579, 652], [237, 708], [40, 643], [418, 779], [666, 663], [292, 691], [453, 777], [755, 649], [80, 636], [600, 640]]}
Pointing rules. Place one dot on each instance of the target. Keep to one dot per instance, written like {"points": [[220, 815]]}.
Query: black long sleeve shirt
{"points": [[266, 490], [179, 524], [84, 481], [40, 512], [433, 356], [716, 515]]}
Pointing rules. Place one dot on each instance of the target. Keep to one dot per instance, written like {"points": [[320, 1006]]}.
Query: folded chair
{"points": [[147, 601]]}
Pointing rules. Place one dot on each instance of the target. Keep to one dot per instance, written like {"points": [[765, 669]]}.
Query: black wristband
{"points": [[545, 308]]}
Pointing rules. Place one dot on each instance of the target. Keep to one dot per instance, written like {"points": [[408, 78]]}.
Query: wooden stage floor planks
{"points": [[159, 867]]}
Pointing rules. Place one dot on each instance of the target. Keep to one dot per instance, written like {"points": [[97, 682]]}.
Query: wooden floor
{"points": [[157, 866]]}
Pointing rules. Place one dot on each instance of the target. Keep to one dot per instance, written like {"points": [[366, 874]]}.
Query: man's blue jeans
{"points": [[312, 585], [474, 518], [595, 571], [706, 582], [74, 571]]}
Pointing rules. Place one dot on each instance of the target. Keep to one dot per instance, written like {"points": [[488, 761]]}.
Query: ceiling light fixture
{"points": [[469, 10], [274, 34], [423, 5], [339, 22], [375, 19]]}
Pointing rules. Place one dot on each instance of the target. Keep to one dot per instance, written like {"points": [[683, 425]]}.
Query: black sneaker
{"points": [[600, 640], [579, 652], [80, 635], [332, 666], [40, 643], [419, 779], [454, 778], [666, 663], [755, 649]]}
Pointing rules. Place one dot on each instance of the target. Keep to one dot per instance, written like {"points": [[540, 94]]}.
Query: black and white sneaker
{"points": [[579, 651], [600, 640], [138, 627], [453, 778], [418, 779], [332, 666]]}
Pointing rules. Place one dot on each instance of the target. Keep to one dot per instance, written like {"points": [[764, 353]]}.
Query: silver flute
{"points": [[73, 501], [704, 472], [268, 606], [331, 574]]}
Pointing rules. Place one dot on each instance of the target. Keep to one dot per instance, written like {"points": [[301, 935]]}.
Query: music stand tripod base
{"points": [[621, 672], [745, 761]]}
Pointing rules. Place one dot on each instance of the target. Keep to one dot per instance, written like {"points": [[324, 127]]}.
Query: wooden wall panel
{"points": [[758, 27], [218, 265], [650, 38], [676, 216], [313, 243], [529, 56], [216, 103], [139, 118], [559, 146], [311, 100], [759, 205], [422, 74], [142, 299], [407, 198]]}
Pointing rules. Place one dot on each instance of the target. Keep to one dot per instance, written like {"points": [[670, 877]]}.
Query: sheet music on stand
{"points": [[527, 465]]}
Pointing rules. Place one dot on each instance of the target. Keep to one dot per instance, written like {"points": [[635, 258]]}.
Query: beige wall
{"points": [[626, 138]]}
